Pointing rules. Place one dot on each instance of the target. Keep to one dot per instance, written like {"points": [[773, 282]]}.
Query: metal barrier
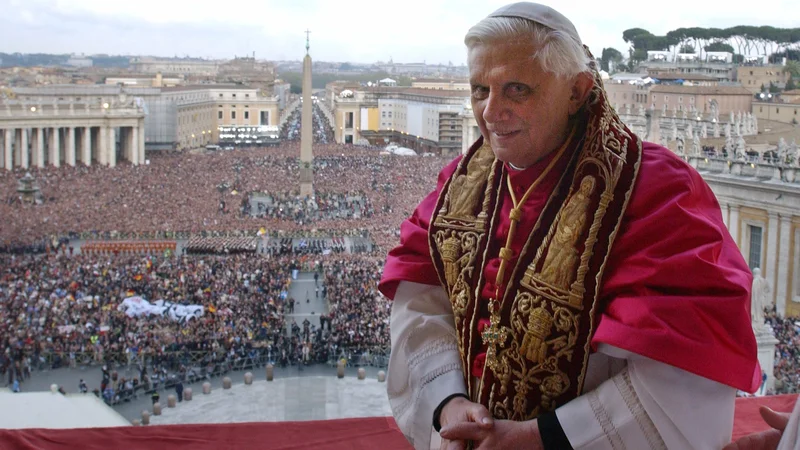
{"points": [[164, 370]]}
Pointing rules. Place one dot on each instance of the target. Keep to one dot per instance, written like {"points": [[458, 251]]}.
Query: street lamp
{"points": [[105, 105], [33, 109]]}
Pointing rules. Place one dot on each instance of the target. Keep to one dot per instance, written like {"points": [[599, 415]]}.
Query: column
{"points": [[134, 153], [784, 251], [5, 150], [87, 146], [733, 226], [131, 136], [39, 147], [33, 139], [725, 212], [17, 146], [770, 271], [125, 142], [102, 143], [55, 147], [69, 135], [111, 148], [141, 142], [23, 147]]}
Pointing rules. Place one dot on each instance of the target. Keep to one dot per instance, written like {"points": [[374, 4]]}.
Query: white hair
{"points": [[558, 52]]}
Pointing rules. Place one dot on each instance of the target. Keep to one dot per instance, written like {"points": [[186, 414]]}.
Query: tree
{"points": [[630, 34], [719, 46], [610, 55], [792, 68], [790, 86], [635, 37], [773, 89]]}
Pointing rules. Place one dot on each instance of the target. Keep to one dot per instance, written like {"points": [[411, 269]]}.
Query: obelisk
{"points": [[306, 130]]}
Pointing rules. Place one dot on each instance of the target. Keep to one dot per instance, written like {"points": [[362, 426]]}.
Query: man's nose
{"points": [[495, 107]]}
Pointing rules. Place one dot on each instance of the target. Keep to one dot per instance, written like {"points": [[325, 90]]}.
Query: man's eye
{"points": [[480, 92], [517, 89]]}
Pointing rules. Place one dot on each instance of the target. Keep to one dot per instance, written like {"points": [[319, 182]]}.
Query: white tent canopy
{"points": [[402, 151], [53, 410]]}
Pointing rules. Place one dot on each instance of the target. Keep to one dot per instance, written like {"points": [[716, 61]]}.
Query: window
{"points": [[219, 116], [246, 115], [777, 110], [666, 99], [233, 95], [247, 95], [680, 99], [754, 254], [760, 109], [233, 115], [691, 99], [220, 95]]}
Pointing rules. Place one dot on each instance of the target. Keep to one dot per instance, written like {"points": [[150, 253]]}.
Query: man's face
{"points": [[521, 110]]}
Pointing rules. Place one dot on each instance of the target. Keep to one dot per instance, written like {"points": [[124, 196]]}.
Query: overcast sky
{"points": [[356, 30]]}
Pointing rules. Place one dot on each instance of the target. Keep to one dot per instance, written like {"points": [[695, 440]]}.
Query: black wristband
{"points": [[553, 437], [438, 411]]}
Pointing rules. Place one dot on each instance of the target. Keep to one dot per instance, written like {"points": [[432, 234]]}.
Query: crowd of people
{"points": [[322, 130], [787, 352], [64, 311], [179, 192], [307, 209], [59, 307]]}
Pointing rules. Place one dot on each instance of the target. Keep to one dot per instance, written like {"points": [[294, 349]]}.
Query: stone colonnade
{"points": [[26, 147]]}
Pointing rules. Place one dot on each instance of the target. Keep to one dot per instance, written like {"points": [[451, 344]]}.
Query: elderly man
{"points": [[566, 285]]}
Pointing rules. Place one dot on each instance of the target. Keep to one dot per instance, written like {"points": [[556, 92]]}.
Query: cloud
{"points": [[359, 30]]}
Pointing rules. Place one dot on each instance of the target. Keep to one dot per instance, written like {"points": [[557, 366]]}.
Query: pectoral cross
{"points": [[493, 337]]}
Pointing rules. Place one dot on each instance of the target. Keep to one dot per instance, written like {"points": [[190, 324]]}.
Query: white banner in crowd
{"points": [[138, 307]]}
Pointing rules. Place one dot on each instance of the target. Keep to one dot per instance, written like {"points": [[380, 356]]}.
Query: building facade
{"points": [[779, 112], [686, 98], [627, 95], [758, 78], [175, 66], [717, 65], [441, 84], [761, 208], [175, 118], [201, 111], [426, 120], [69, 131]]}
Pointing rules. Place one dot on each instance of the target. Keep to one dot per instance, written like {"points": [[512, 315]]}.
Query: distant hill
{"points": [[45, 59]]}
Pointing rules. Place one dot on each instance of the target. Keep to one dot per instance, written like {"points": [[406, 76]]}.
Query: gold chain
{"points": [[516, 214], [495, 335]]}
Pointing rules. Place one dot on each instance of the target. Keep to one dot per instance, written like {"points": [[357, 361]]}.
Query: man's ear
{"points": [[581, 87]]}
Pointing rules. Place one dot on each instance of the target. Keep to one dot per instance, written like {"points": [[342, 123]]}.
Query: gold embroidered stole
{"points": [[550, 307]]}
